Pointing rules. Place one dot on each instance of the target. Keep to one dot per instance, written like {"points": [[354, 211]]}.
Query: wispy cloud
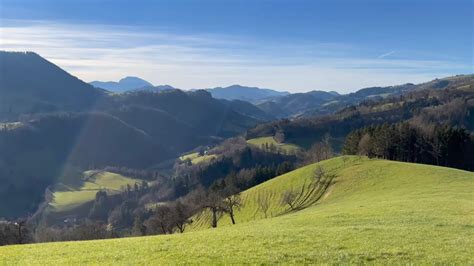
{"points": [[386, 54], [104, 52]]}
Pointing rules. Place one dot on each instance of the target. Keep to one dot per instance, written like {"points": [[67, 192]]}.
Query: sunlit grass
{"points": [[267, 142], [376, 211], [195, 158], [68, 196], [190, 156]]}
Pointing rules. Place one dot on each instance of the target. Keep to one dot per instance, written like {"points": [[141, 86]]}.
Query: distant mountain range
{"points": [[50, 89], [123, 85], [130, 84], [235, 92], [297, 104], [317, 103], [273, 104], [243, 93], [447, 101]]}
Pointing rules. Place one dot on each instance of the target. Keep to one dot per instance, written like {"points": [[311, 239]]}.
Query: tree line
{"points": [[433, 144]]}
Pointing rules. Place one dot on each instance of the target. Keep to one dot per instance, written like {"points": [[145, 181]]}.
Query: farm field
{"points": [[195, 158], [69, 196], [369, 211], [268, 142]]}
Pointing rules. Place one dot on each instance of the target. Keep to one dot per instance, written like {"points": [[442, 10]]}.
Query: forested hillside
{"points": [[31, 84], [189, 152], [50, 120], [319, 103], [432, 144], [451, 104], [35, 154], [126, 139]]}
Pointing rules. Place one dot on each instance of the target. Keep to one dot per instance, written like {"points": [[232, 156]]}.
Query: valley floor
{"points": [[374, 211]]}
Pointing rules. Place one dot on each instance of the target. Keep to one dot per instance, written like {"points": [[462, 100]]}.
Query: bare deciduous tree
{"points": [[344, 160], [263, 201], [160, 222], [289, 198], [21, 229], [231, 203], [364, 145], [319, 151], [213, 201], [319, 173], [180, 214]]}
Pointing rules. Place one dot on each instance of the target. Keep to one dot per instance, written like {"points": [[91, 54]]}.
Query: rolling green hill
{"points": [[69, 196], [372, 211]]}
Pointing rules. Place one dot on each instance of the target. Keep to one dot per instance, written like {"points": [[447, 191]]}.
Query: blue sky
{"points": [[285, 45]]}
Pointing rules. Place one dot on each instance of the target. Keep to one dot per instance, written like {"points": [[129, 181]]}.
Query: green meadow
{"points": [[71, 195], [362, 211], [195, 158], [287, 148]]}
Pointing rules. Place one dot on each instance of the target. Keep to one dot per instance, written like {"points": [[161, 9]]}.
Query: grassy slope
{"points": [[286, 147], [272, 190], [190, 156], [376, 211], [71, 196], [196, 158]]}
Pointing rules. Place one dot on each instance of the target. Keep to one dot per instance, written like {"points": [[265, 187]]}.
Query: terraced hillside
{"points": [[371, 211]]}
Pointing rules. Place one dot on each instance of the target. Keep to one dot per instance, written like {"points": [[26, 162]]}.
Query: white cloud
{"points": [[103, 52]]}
